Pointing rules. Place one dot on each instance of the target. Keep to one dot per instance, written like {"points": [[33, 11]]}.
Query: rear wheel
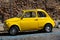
{"points": [[48, 28], [13, 30]]}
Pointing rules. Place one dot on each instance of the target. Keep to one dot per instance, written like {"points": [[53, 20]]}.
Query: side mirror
{"points": [[21, 17]]}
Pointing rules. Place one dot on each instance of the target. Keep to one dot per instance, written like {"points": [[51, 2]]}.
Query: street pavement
{"points": [[55, 35]]}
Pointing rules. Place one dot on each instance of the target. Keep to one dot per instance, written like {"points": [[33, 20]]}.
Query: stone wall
{"points": [[11, 8]]}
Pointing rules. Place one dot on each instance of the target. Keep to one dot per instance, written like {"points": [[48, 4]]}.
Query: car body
{"points": [[33, 19]]}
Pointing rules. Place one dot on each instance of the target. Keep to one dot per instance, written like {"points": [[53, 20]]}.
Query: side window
{"points": [[29, 14], [41, 14]]}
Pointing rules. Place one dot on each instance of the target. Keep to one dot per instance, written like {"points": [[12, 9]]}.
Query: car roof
{"points": [[34, 10]]}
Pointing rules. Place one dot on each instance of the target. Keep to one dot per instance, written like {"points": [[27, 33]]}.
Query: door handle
{"points": [[36, 19]]}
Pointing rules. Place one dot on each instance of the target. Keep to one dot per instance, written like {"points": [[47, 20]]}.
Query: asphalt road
{"points": [[55, 35]]}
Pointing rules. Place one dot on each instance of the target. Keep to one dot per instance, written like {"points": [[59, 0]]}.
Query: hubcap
{"points": [[48, 29], [13, 31]]}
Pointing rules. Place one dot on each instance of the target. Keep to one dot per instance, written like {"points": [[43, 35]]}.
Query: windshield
{"points": [[20, 14]]}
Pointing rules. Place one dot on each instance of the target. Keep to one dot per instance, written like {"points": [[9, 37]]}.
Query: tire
{"points": [[48, 28], [13, 30]]}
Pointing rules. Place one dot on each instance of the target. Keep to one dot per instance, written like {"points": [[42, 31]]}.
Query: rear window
{"points": [[41, 14]]}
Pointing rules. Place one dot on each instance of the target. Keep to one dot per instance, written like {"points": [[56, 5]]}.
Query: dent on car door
{"points": [[28, 22], [41, 18]]}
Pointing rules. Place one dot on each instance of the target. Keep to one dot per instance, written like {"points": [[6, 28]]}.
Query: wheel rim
{"points": [[48, 29], [13, 31]]}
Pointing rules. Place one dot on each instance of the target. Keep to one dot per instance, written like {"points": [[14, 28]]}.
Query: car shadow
{"points": [[22, 33]]}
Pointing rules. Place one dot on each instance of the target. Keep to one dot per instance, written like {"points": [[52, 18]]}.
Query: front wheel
{"points": [[48, 28], [13, 31]]}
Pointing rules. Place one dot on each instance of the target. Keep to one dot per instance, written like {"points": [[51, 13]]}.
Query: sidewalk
{"points": [[1, 27]]}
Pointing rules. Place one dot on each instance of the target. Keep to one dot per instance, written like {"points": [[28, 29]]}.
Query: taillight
{"points": [[55, 22]]}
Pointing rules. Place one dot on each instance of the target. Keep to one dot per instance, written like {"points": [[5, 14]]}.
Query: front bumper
{"points": [[5, 27]]}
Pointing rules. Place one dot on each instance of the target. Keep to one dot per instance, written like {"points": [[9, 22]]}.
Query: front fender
{"points": [[10, 24]]}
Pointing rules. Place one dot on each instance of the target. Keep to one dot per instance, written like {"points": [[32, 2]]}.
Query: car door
{"points": [[42, 18], [29, 22]]}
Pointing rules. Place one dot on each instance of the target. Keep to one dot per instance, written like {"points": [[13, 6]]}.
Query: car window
{"points": [[29, 14], [41, 14], [58, 22]]}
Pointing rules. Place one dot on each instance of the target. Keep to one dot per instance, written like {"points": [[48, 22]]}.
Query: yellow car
{"points": [[34, 19]]}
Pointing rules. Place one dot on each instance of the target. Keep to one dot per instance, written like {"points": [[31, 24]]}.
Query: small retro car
{"points": [[33, 19]]}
